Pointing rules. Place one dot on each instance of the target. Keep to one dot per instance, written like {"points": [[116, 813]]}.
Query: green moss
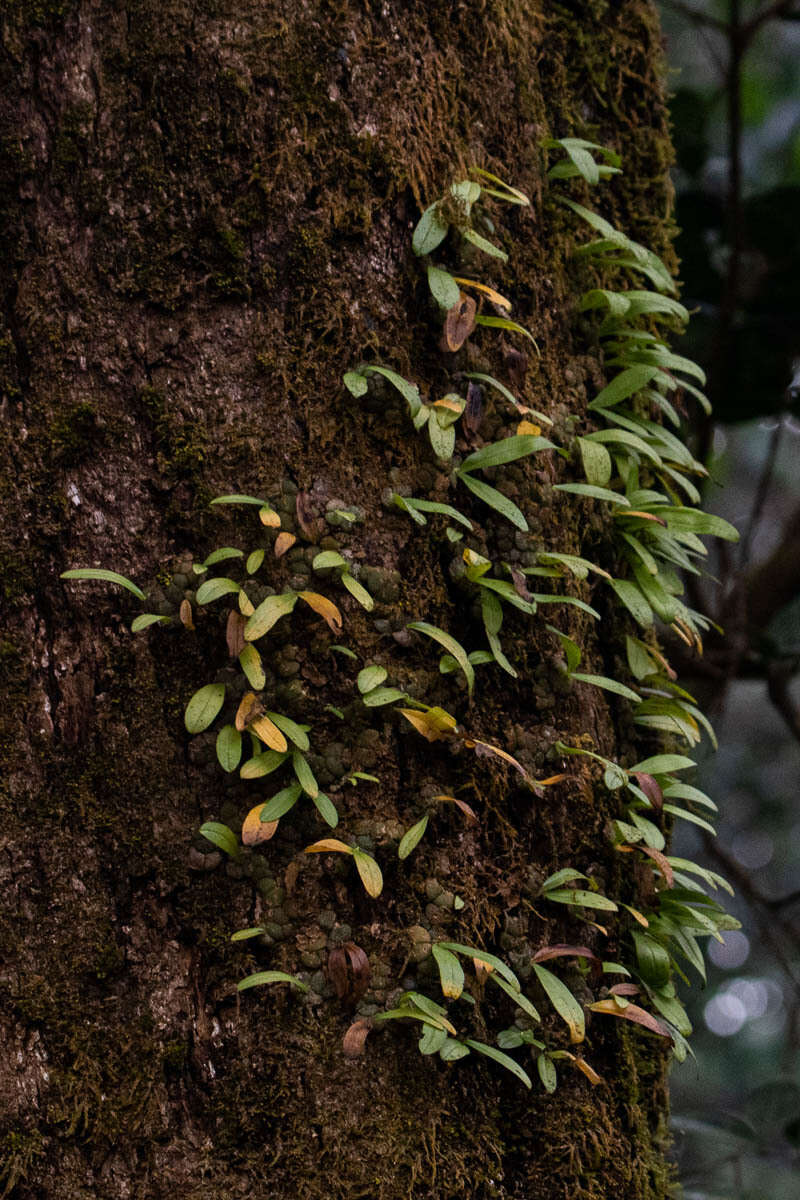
{"points": [[73, 435]]}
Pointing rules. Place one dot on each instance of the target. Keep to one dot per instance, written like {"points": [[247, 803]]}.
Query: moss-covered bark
{"points": [[206, 216]]}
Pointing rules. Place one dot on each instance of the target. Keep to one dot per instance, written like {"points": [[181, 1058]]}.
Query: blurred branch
{"points": [[762, 491], [779, 677], [695, 16], [772, 584], [779, 10]]}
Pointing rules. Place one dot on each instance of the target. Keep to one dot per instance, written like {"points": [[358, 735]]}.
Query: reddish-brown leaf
{"points": [[234, 633], [467, 810], [563, 951], [650, 787], [631, 1012], [337, 972], [362, 974], [306, 518], [520, 584], [624, 989], [185, 614], [353, 1041], [459, 323]]}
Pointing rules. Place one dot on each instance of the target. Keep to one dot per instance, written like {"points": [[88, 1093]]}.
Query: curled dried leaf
{"points": [[337, 971], [353, 1041], [467, 810], [249, 709], [185, 614], [283, 542]]}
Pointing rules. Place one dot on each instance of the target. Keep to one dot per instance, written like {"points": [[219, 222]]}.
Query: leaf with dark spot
{"points": [[459, 323]]}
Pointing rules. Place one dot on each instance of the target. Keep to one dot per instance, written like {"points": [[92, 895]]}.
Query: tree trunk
{"points": [[207, 216]]}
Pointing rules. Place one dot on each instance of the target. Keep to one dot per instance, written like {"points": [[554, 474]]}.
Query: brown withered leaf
{"points": [[631, 1013], [283, 542], [634, 512], [662, 861], [234, 634], [290, 875], [306, 518], [337, 972], [467, 810], [359, 964], [459, 323], [185, 614], [324, 608], [353, 1041], [473, 412], [254, 830], [650, 787], [484, 750], [560, 950], [520, 584]]}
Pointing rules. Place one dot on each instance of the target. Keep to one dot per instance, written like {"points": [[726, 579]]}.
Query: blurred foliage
{"points": [[736, 1111]]}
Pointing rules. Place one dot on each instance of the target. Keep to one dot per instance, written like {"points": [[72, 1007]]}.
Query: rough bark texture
{"points": [[206, 216]]}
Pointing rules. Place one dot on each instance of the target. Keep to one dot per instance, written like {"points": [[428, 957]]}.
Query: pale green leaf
{"points": [[504, 1059], [412, 837], [281, 803], [495, 499], [451, 645], [296, 734], [145, 620], [305, 776], [563, 1001], [268, 613], [229, 747], [369, 871], [444, 288], [370, 677], [430, 231], [106, 577], [204, 706], [356, 590], [451, 973], [221, 836], [262, 977]]}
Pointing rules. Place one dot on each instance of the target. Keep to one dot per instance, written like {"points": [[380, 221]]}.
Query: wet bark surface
{"points": [[207, 213]]}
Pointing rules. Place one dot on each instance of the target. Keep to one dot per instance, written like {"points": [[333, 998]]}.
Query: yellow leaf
{"points": [[526, 427], [326, 845], [494, 296], [435, 724], [551, 779], [269, 733], [269, 517], [249, 708], [369, 871], [587, 1070], [245, 605], [324, 608], [254, 830], [446, 402], [283, 542], [637, 916]]}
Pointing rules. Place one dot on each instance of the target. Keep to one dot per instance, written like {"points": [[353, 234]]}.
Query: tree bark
{"points": [[207, 211]]}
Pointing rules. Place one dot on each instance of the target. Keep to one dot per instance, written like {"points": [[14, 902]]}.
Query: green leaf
{"points": [[355, 383], [106, 577], [562, 1001], [596, 462], [281, 803], [369, 871], [412, 837], [243, 935], [565, 875], [239, 499], [380, 696], [624, 385], [661, 764], [268, 613], [221, 836], [652, 959], [495, 499], [212, 589], [442, 437], [145, 620], [504, 1059], [297, 734], [609, 685], [504, 391], [220, 555], [451, 645], [683, 791], [452, 1050], [505, 451], [360, 593], [409, 391], [580, 897], [451, 973], [692, 520], [370, 677], [204, 706], [254, 561], [547, 1072], [624, 438], [507, 193], [229, 747], [327, 559], [432, 506], [593, 492], [430, 231], [509, 326], [484, 956], [484, 244], [432, 1040], [345, 651], [305, 776], [690, 816], [263, 764], [262, 977], [634, 601], [519, 998], [250, 662], [444, 288], [326, 809]]}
